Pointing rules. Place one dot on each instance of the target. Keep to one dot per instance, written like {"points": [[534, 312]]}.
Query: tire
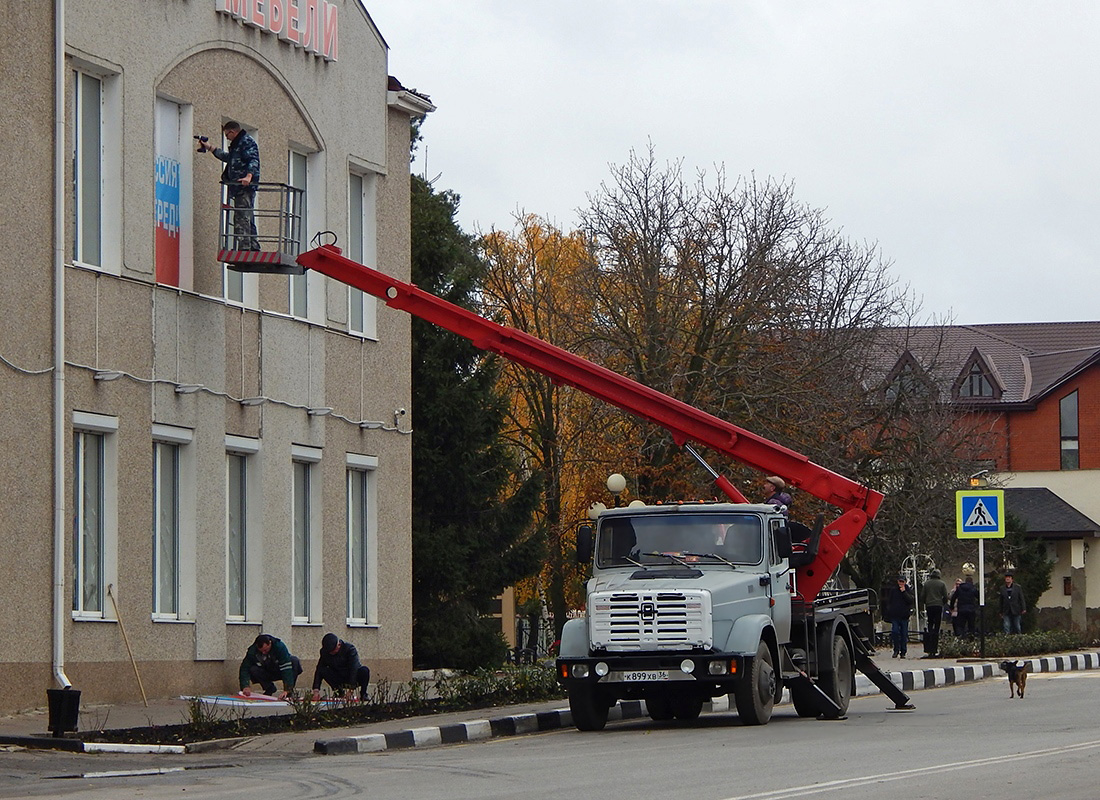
{"points": [[804, 705], [838, 683], [659, 706], [589, 710], [755, 694], [687, 706]]}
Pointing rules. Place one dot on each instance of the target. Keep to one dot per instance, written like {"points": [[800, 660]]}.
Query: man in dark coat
{"points": [[965, 602], [1013, 606], [898, 605], [339, 666]]}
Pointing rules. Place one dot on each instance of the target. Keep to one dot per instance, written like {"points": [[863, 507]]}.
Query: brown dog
{"points": [[1017, 677]]}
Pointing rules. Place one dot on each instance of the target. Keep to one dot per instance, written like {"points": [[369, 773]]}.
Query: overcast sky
{"points": [[959, 136]]}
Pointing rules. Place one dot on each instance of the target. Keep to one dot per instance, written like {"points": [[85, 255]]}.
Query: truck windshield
{"points": [[626, 541]]}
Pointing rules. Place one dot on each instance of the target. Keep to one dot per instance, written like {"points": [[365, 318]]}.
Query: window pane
{"points": [[1068, 415], [1071, 454], [355, 248], [166, 530], [88, 547], [357, 544], [235, 577], [301, 539], [87, 168], [355, 217], [234, 286]]}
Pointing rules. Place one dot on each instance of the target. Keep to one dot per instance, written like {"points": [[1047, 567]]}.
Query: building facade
{"points": [[194, 455]]}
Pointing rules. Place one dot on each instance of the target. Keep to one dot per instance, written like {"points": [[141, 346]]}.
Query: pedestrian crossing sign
{"points": [[980, 514]]}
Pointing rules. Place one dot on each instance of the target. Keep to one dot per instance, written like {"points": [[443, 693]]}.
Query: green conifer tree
{"points": [[473, 533]]}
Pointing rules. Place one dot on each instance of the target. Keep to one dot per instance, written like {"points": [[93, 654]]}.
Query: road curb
{"points": [[907, 680]]}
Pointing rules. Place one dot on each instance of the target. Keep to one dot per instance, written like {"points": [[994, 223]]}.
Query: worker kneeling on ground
{"points": [[266, 661], [339, 666]]}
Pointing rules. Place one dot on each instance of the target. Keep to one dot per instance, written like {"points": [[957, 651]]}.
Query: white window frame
{"points": [[109, 146], [185, 578], [247, 449], [305, 549], [363, 247], [311, 283], [105, 429], [362, 525]]}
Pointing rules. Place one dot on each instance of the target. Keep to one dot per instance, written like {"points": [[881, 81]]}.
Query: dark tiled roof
{"points": [[1026, 359], [1047, 515]]}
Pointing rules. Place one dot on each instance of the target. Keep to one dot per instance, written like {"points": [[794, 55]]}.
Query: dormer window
{"points": [[908, 380], [976, 381], [976, 384]]}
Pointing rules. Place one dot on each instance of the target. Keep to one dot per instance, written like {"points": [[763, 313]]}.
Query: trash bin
{"points": [[64, 706]]}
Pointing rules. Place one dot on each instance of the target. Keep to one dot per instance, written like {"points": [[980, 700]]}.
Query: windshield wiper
{"points": [[715, 556], [677, 559]]}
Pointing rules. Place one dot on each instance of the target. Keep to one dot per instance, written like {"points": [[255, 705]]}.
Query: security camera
{"points": [[400, 412]]}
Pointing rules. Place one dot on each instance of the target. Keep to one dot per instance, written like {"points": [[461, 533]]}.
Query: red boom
{"points": [[684, 422]]}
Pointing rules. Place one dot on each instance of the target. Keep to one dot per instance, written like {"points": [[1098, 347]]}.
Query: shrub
{"points": [[999, 645]]}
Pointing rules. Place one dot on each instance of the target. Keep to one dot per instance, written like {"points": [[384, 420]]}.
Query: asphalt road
{"points": [[967, 741]]}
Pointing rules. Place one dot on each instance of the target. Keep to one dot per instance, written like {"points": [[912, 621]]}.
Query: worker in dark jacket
{"points": [[266, 661], [898, 605], [339, 666], [241, 174]]}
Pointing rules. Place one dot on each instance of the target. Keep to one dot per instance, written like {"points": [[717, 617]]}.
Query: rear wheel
{"points": [[755, 694], [588, 708], [838, 683], [804, 702]]}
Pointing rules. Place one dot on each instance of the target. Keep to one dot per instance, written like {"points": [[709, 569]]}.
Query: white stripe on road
{"points": [[833, 786]]}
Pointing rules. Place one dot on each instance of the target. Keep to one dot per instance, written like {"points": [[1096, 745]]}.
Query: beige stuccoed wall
{"points": [[26, 311], [191, 54]]}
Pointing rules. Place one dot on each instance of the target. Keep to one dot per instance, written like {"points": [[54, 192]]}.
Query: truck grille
{"points": [[628, 621]]}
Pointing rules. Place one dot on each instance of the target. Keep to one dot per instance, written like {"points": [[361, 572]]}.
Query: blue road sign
{"points": [[980, 514]]}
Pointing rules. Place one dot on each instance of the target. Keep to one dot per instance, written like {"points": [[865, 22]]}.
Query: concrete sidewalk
{"points": [[30, 729]]}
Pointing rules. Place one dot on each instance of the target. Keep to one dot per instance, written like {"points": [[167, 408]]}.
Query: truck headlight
{"points": [[600, 669], [716, 667], [687, 666], [580, 670]]}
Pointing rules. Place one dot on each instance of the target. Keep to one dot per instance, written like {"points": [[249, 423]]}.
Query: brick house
{"points": [[1038, 387]]}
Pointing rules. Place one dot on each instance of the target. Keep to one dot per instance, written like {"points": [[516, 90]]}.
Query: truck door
{"points": [[779, 586]]}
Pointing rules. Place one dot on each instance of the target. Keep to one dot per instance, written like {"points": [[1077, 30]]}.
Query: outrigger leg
{"points": [[869, 668]]}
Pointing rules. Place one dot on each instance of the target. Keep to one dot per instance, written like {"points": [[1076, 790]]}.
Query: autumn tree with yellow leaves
{"points": [[733, 297]]}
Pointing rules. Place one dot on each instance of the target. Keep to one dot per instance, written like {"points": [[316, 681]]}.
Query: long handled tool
{"points": [[126, 641]]}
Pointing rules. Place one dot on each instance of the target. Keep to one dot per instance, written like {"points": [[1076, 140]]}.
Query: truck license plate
{"points": [[640, 675]]}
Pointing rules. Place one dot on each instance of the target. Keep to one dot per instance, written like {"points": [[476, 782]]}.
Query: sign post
{"points": [[980, 514]]}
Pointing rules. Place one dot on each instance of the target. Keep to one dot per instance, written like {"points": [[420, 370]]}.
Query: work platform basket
{"points": [[278, 214]]}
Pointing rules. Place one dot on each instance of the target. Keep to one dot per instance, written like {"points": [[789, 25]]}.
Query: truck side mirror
{"points": [[584, 544], [783, 541]]}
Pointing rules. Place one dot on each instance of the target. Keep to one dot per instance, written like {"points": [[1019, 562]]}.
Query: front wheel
{"points": [[755, 694], [659, 706], [838, 683], [687, 706], [589, 710]]}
